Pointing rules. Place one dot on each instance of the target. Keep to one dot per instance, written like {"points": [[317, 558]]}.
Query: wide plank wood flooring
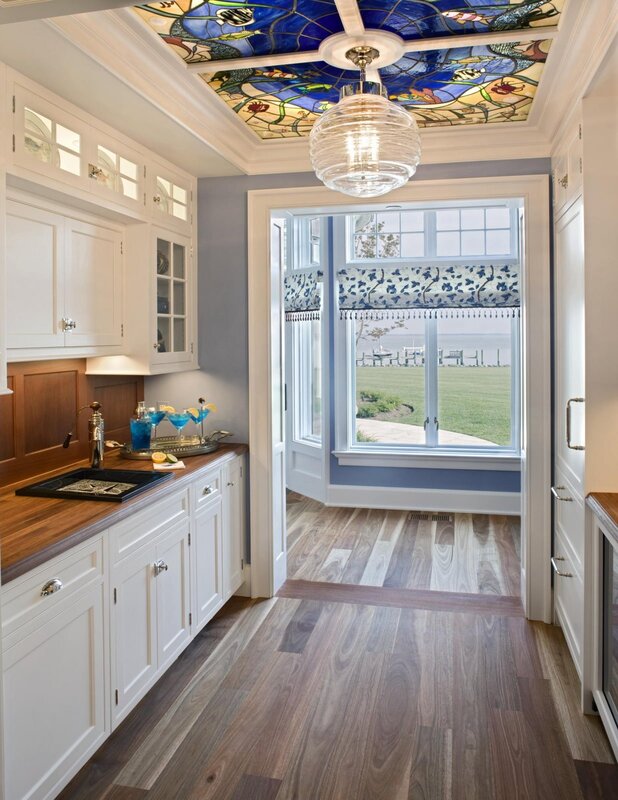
{"points": [[341, 697], [403, 550]]}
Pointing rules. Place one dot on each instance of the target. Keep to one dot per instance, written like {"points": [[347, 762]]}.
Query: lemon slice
{"points": [[168, 409], [211, 406], [194, 412], [158, 457], [171, 458]]}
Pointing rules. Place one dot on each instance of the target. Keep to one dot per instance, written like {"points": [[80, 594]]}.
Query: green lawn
{"points": [[472, 400]]}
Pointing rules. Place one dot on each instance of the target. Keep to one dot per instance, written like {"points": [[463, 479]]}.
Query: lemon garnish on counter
{"points": [[171, 458], [211, 406], [168, 409], [158, 457]]}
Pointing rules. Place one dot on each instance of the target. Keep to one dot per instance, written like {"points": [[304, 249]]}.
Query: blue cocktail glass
{"points": [[179, 419], [155, 418]]}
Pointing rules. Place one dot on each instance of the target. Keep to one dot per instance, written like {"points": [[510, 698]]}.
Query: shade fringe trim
{"points": [[430, 313], [302, 316]]}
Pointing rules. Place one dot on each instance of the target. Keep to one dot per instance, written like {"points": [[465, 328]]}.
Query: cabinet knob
{"points": [[68, 324], [230, 483], [51, 587], [208, 490], [160, 566], [156, 199]]}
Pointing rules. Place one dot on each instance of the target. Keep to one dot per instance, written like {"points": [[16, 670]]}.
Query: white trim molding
{"points": [[428, 460], [265, 311], [403, 499]]}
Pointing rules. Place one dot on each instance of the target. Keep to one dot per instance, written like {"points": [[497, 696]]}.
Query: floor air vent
{"points": [[432, 517]]}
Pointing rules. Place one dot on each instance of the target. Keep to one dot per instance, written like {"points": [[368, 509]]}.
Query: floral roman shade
{"points": [[302, 295], [410, 291]]}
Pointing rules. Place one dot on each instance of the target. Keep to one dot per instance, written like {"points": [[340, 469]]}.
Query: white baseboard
{"points": [[399, 499]]}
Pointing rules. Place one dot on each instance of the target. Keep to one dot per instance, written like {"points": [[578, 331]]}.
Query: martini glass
{"points": [[179, 419], [157, 413], [198, 417]]}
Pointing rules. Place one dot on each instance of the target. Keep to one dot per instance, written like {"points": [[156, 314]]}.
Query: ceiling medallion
{"points": [[365, 145]]}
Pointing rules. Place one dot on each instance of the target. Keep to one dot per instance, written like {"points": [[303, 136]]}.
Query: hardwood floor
{"points": [[403, 550], [340, 697]]}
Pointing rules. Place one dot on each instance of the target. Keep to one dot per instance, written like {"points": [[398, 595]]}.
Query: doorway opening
{"points": [[402, 343], [267, 393]]}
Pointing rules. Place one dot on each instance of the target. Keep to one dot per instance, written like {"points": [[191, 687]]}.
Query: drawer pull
{"points": [[51, 587], [208, 490], [557, 568], [159, 567], [556, 489]]}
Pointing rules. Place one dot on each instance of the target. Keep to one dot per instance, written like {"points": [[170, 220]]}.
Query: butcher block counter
{"points": [[35, 529]]}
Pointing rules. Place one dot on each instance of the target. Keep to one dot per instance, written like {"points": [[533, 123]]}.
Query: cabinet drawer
{"points": [[137, 530], [569, 516], [207, 489], [569, 600], [22, 599]]}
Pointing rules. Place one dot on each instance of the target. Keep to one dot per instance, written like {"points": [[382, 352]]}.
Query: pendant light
{"points": [[364, 146]]}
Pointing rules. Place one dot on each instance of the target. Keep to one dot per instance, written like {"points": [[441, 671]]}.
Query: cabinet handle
{"points": [[556, 489], [230, 483], [557, 569], [207, 490], [156, 199], [570, 401], [68, 324], [160, 566], [564, 181], [51, 587]]}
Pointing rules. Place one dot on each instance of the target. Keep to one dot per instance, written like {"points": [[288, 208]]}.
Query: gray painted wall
{"points": [[222, 286]]}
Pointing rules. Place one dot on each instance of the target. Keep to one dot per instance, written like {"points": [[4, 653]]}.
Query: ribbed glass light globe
{"points": [[365, 146]]}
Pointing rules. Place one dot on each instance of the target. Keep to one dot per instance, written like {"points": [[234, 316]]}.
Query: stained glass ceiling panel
{"points": [[464, 85], [204, 31], [421, 19]]}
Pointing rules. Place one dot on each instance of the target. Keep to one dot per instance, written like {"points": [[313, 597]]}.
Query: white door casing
{"points": [[265, 366]]}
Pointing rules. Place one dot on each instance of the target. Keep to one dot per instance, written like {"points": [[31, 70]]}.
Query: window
{"points": [[440, 378], [303, 301]]}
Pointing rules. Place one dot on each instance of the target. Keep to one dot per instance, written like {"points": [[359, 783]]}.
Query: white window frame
{"points": [[350, 452], [299, 261]]}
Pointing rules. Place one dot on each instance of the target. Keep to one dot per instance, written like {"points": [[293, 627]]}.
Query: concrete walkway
{"points": [[397, 432]]}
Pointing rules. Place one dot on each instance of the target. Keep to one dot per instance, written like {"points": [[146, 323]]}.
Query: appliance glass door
{"points": [[610, 626]]}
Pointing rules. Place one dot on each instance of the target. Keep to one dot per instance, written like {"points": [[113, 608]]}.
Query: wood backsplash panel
{"points": [[50, 403], [118, 396], [7, 424], [35, 419]]}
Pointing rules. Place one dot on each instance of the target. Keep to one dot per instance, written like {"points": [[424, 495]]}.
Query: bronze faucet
{"points": [[96, 434]]}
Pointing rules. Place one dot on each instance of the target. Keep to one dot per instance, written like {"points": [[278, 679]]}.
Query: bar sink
{"points": [[111, 485]]}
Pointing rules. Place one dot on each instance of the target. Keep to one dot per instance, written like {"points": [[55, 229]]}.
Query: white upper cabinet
{"points": [[171, 197], [86, 200], [64, 282], [567, 169]]}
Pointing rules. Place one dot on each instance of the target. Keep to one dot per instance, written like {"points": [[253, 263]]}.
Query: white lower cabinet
{"points": [[150, 614], [207, 565], [54, 678], [234, 517], [86, 635]]}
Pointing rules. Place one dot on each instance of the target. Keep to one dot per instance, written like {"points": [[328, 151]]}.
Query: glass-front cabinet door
{"points": [[174, 338]]}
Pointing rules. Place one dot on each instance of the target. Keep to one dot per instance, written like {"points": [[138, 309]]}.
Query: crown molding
{"points": [[134, 53], [586, 32]]}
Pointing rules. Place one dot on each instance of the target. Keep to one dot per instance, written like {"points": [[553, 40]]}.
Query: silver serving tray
{"points": [[185, 446]]}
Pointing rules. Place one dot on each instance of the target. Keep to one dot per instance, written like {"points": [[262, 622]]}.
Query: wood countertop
{"points": [[605, 506], [35, 529]]}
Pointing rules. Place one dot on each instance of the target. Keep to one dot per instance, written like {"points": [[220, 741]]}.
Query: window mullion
{"points": [[431, 381]]}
